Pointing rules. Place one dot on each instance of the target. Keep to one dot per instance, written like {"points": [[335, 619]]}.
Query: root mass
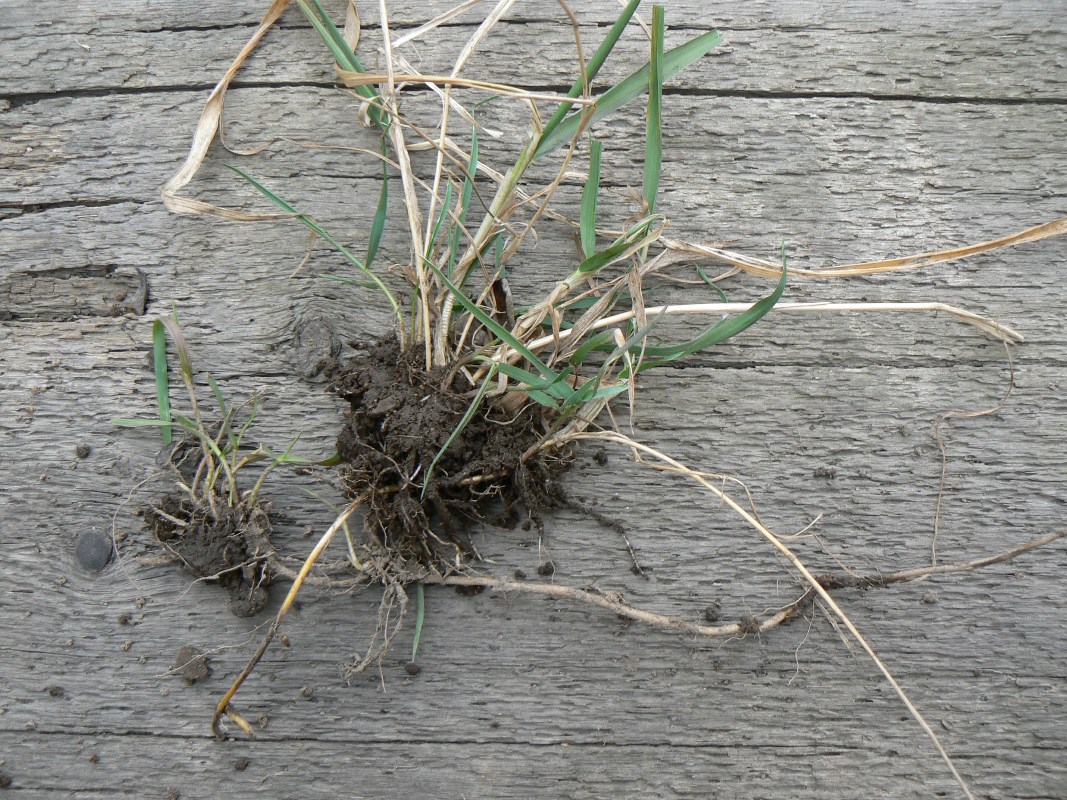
{"points": [[400, 418]]}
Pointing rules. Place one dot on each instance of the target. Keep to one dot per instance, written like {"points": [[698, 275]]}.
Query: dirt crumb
{"points": [[749, 625], [547, 569], [192, 664], [713, 612], [469, 591]]}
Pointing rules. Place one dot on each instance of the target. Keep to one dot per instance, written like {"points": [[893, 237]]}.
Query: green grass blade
{"points": [[609, 391], [446, 206], [468, 182], [637, 237], [225, 411], [181, 345], [587, 221], [704, 276], [420, 618], [377, 226], [529, 383], [653, 119], [674, 61], [318, 229], [335, 42], [159, 364], [591, 390], [635, 338], [287, 456], [542, 398], [722, 330], [498, 330], [178, 420], [455, 232], [199, 433], [581, 303], [217, 391], [275, 461], [332, 36], [329, 461], [603, 341], [248, 422], [592, 68]]}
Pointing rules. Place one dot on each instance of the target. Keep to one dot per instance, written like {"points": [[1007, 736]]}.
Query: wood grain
{"points": [[853, 130]]}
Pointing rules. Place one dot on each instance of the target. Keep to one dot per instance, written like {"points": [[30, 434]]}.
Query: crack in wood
{"points": [[62, 294]]}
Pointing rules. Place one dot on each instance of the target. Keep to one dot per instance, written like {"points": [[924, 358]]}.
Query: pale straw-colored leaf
{"points": [[206, 129], [769, 269]]}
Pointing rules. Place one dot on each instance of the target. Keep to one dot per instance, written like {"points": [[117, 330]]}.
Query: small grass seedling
{"points": [[218, 524]]}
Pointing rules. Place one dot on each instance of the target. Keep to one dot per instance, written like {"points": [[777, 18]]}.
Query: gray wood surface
{"points": [[853, 129]]}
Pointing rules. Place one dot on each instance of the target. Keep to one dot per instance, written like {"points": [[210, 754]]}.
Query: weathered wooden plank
{"points": [[752, 148], [570, 688], [518, 696], [67, 293], [186, 266], [966, 50], [917, 193], [567, 770]]}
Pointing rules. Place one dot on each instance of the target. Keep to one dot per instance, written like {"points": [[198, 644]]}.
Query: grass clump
{"points": [[217, 525], [472, 405]]}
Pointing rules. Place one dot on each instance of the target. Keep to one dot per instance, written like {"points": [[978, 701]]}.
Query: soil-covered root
{"points": [[227, 544], [401, 416]]}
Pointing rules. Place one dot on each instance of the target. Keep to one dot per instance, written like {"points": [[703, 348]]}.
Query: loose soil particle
{"points": [[192, 664]]}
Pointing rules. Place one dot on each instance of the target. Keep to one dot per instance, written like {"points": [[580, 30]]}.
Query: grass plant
{"points": [[218, 524], [564, 356]]}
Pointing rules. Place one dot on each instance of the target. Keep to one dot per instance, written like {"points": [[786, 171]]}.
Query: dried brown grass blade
{"points": [[224, 707], [436, 22], [208, 126], [471, 45], [354, 79], [353, 27], [769, 269], [799, 566]]}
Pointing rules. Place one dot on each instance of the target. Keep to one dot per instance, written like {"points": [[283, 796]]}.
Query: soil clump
{"points": [[400, 417], [227, 544]]}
